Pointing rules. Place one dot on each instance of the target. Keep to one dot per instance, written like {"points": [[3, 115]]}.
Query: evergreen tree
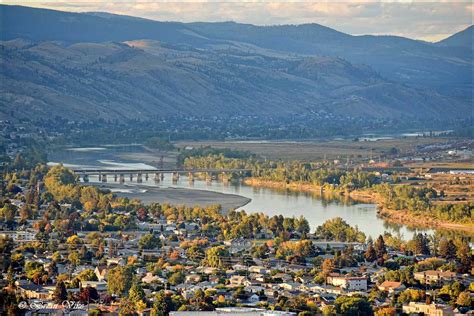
{"points": [[370, 254], [380, 248], [421, 244], [60, 293], [464, 255], [447, 248]]}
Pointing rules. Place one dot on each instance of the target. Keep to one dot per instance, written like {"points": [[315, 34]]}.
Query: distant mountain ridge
{"points": [[463, 38], [100, 65]]}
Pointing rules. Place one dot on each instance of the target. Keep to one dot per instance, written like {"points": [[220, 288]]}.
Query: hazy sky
{"points": [[418, 19]]}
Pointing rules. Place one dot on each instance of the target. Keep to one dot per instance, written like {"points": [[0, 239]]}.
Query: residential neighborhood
{"points": [[113, 256]]}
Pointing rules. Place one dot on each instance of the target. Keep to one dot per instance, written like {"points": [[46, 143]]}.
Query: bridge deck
{"points": [[144, 171]]}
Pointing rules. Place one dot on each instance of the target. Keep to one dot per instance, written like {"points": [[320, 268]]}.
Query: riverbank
{"points": [[362, 196], [410, 220], [366, 196], [176, 196]]}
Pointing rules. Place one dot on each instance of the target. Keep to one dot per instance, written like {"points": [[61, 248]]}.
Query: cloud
{"points": [[420, 19]]}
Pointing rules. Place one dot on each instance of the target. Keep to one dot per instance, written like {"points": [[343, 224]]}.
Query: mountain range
{"points": [[100, 65]]}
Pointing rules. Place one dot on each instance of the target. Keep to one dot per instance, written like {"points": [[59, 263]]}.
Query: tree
{"points": [[60, 182], [370, 254], [327, 267], [349, 306], [420, 244], [88, 293], [136, 294], [87, 275], [464, 255], [74, 258], [338, 229], [176, 278], [149, 241], [119, 280], [214, 256], [380, 248], [328, 310], [302, 225], [386, 311], [464, 299], [8, 213], [195, 253], [60, 292], [126, 307], [162, 305], [447, 248]]}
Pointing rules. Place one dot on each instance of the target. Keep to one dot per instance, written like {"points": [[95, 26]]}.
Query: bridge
{"points": [[119, 174]]}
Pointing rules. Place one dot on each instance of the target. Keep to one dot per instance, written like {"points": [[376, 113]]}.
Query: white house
{"points": [[348, 283]]}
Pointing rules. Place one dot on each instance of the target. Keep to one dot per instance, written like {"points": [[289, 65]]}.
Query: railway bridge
{"points": [[119, 175]]}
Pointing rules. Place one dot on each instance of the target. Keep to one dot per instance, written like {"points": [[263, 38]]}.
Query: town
{"points": [[75, 249]]}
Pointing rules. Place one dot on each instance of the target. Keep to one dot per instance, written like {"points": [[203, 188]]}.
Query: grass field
{"points": [[318, 150]]}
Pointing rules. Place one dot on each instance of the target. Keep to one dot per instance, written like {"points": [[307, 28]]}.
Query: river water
{"points": [[269, 201]]}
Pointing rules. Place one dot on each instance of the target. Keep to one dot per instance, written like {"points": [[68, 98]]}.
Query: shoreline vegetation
{"points": [[415, 204], [364, 196]]}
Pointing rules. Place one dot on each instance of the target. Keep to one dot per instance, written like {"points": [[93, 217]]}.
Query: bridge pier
{"points": [[104, 178], [190, 177], [139, 178], [115, 177], [122, 178], [85, 178], [131, 177], [157, 177], [175, 176], [208, 177], [100, 177], [146, 176], [225, 178]]}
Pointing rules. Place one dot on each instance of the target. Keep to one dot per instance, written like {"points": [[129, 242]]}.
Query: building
{"points": [[348, 283], [101, 272], [428, 309], [391, 287], [434, 277], [238, 280], [33, 291], [235, 311]]}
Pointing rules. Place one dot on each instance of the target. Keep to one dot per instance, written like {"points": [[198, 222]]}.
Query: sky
{"points": [[417, 19]]}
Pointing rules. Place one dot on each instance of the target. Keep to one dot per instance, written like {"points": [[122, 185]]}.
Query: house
{"points": [[284, 277], [101, 272], [150, 278], [348, 283], [98, 285], [428, 309], [295, 268], [116, 261], [33, 291], [239, 267], [193, 278], [253, 299], [328, 289], [238, 244], [238, 280], [235, 311], [291, 286], [391, 287], [434, 277], [258, 269]]}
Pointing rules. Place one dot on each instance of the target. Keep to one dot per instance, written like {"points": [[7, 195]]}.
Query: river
{"points": [[269, 201]]}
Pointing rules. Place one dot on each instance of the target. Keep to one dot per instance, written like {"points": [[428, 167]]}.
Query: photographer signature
{"points": [[48, 305]]}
